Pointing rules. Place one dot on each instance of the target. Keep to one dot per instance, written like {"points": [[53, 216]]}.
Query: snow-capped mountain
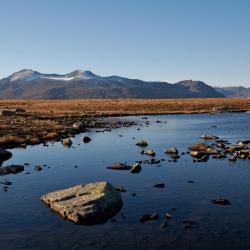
{"points": [[30, 84]]}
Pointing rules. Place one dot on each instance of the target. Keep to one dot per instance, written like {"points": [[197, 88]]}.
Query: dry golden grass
{"points": [[126, 106]]}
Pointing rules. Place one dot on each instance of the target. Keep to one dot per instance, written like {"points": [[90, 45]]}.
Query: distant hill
{"points": [[29, 84], [235, 92]]}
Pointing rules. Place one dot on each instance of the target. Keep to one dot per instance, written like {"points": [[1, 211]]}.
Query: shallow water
{"points": [[25, 222]]}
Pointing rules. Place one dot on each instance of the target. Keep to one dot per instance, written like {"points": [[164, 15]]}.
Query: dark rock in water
{"points": [[38, 168], [6, 182], [190, 181], [5, 155], [148, 217], [209, 137], [233, 158], [172, 151], [149, 152], [121, 189], [119, 166], [67, 142], [86, 139], [142, 143], [159, 185], [164, 225], [133, 194], [85, 204], [11, 169], [221, 201], [168, 216], [136, 168]]}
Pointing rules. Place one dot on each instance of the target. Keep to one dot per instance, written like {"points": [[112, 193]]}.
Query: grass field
{"points": [[128, 107], [53, 119]]}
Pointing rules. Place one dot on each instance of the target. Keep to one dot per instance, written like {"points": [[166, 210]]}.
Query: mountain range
{"points": [[234, 92], [30, 84]]}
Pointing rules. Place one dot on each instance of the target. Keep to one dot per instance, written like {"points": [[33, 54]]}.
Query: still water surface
{"points": [[27, 223]]}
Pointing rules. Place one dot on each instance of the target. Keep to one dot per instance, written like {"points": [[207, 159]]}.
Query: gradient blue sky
{"points": [[168, 40]]}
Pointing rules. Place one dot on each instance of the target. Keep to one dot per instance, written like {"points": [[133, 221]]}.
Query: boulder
{"points": [[5, 155], [11, 169], [85, 204]]}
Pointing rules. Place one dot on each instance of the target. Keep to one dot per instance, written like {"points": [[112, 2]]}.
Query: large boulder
{"points": [[85, 204]]}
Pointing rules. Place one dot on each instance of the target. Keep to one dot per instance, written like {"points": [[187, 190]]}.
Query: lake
{"points": [[27, 223]]}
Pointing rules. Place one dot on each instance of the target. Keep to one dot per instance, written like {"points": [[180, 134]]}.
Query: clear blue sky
{"points": [[168, 40]]}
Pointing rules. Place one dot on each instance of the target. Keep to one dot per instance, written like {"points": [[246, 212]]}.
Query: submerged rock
{"points": [[221, 201], [11, 169], [38, 168], [85, 204], [119, 166], [159, 185], [148, 217], [142, 143]]}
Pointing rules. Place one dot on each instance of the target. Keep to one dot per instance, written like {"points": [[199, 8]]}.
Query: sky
{"points": [[166, 40]]}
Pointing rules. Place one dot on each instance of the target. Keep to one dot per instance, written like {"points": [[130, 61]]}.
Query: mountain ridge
{"points": [[30, 84]]}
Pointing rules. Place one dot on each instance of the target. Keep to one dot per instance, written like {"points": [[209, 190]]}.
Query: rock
{"points": [[209, 137], [20, 110], [86, 139], [148, 217], [221, 201], [67, 142], [5, 155], [164, 225], [85, 204], [149, 152], [159, 185], [172, 151], [119, 166], [142, 143], [11, 169], [7, 113], [197, 154], [121, 189], [136, 168], [168, 216], [6, 182], [78, 125], [38, 168], [202, 147], [190, 181], [233, 158]]}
